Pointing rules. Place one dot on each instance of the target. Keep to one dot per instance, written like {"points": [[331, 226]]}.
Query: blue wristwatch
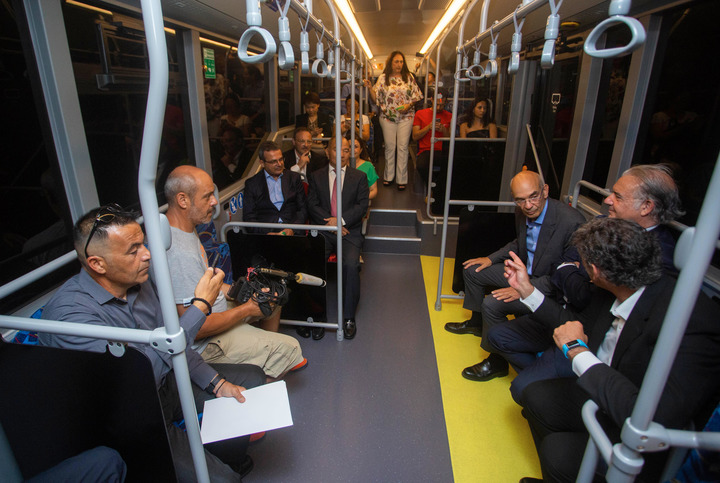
{"points": [[571, 345]]}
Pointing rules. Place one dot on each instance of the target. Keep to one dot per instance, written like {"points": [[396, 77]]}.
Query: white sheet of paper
{"points": [[266, 407]]}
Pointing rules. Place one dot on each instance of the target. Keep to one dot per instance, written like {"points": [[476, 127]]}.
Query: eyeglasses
{"points": [[106, 214], [534, 200], [275, 161]]}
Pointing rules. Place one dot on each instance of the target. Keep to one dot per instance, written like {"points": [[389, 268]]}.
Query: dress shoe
{"points": [[349, 328], [318, 333], [464, 328], [244, 468], [303, 332], [492, 367], [527, 479]]}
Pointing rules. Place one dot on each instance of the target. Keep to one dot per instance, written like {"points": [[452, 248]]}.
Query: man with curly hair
{"points": [[609, 346]]}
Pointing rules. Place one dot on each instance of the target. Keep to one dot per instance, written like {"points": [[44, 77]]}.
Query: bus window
{"points": [[286, 98]]}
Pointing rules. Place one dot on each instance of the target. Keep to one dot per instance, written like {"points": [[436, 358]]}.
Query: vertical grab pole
{"points": [[451, 153], [152, 132]]}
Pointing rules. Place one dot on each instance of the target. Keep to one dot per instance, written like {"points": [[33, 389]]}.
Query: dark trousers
{"points": [[97, 464], [219, 454], [350, 273]]}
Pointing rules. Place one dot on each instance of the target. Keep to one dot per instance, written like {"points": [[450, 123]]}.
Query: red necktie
{"points": [[333, 198]]}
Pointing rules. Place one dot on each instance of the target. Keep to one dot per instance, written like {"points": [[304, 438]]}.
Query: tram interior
{"points": [[389, 405]]}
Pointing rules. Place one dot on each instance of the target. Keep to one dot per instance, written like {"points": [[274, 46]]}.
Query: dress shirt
{"points": [[296, 167], [532, 233], [275, 189], [82, 300]]}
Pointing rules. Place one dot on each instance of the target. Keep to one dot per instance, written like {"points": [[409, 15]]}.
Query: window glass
{"points": [[286, 97]]}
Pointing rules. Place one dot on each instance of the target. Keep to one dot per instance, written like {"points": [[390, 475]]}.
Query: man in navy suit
{"points": [[301, 159], [543, 228], [275, 194], [324, 211], [610, 344]]}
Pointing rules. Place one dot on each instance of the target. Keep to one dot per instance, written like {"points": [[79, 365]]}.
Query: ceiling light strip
{"points": [[346, 12], [450, 14]]}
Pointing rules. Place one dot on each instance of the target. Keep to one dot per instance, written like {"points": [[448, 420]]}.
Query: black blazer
{"points": [[559, 224], [355, 200], [694, 380], [317, 161], [258, 207], [324, 122]]}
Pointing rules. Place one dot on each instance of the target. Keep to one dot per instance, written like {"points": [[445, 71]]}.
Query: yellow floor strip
{"points": [[489, 439]]}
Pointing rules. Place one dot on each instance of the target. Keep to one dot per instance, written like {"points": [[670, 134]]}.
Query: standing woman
{"points": [[395, 92], [477, 121]]}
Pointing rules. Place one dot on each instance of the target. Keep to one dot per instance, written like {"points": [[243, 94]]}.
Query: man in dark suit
{"points": [[274, 195], [544, 227], [622, 324], [301, 159], [644, 194], [323, 211]]}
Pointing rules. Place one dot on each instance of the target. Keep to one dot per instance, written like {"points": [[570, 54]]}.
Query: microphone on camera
{"points": [[301, 278]]}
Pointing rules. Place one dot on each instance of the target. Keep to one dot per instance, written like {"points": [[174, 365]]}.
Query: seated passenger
{"points": [[229, 165], [275, 194], [317, 122], [646, 195], [421, 133], [544, 227], [477, 121], [113, 290], [322, 206], [301, 159], [345, 120], [227, 336], [610, 344], [363, 163]]}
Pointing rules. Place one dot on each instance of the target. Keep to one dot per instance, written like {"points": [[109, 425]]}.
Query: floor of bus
{"points": [[391, 405]]}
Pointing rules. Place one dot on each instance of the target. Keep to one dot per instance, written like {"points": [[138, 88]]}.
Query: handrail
{"points": [[40, 272], [700, 243], [254, 21], [535, 153], [552, 29], [618, 15], [286, 56]]}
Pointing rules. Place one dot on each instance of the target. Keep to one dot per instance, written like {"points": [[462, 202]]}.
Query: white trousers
{"points": [[397, 136]]}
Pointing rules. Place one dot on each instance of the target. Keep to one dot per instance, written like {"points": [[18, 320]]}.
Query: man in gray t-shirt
{"points": [[228, 335]]}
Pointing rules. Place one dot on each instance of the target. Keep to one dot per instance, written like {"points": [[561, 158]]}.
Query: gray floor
{"points": [[367, 409]]}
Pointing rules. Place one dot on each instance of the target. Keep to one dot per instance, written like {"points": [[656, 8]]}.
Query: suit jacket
{"points": [[355, 200], [559, 224], [694, 380], [573, 283], [258, 207], [317, 161]]}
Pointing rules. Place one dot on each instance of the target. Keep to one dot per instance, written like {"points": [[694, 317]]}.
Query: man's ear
{"points": [[97, 264], [182, 200], [545, 191], [647, 207]]}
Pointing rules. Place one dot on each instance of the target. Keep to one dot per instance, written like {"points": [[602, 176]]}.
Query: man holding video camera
{"points": [[227, 336]]}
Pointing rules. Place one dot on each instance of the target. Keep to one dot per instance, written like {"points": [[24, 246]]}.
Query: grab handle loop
{"points": [[552, 29], [286, 56], [471, 76], [331, 63], [254, 20], [516, 44], [304, 52], [319, 67], [617, 11], [491, 68]]}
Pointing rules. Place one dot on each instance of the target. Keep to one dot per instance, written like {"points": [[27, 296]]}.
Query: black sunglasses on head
{"points": [[106, 214]]}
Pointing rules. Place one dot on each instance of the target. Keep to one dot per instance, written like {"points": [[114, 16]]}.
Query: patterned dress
{"points": [[391, 98]]}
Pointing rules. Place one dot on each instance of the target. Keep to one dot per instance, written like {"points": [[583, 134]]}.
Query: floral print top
{"points": [[396, 95]]}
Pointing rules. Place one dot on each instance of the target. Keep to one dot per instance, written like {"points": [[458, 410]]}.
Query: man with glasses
{"points": [[324, 210], [113, 289], [275, 194], [301, 159], [544, 227], [228, 335]]}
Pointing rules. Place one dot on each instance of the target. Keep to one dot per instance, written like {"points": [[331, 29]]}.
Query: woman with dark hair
{"points": [[478, 122], [317, 122], [395, 93]]}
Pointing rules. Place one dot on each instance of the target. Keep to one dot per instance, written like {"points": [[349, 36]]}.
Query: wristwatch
{"points": [[572, 345], [210, 389]]}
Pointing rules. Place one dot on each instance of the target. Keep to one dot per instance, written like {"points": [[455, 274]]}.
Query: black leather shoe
{"points": [[464, 328], [303, 331], [245, 467], [527, 479], [349, 328], [492, 367], [318, 333]]}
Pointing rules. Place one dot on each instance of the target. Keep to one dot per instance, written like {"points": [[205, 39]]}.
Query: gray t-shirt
{"points": [[187, 261]]}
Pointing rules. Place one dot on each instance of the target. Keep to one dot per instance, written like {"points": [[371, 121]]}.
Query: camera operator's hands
{"points": [[252, 309], [208, 287]]}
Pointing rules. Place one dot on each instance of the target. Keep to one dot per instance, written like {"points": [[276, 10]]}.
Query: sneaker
{"points": [[301, 365]]}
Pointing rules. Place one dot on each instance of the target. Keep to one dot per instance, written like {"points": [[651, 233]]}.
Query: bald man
{"points": [[227, 336], [544, 227]]}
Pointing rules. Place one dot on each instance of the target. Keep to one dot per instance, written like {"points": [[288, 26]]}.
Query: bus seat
{"points": [[57, 403]]}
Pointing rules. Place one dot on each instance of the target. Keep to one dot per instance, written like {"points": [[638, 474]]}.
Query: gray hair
{"points": [[657, 185], [179, 181], [622, 250]]}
